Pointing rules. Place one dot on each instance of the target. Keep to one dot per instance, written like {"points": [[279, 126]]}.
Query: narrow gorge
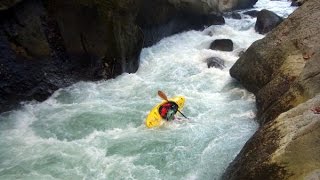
{"points": [[78, 78]]}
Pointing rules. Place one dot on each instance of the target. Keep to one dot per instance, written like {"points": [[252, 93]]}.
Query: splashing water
{"points": [[96, 130]]}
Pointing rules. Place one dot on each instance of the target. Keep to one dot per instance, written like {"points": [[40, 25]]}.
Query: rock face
{"points": [[266, 21], [49, 44], [46, 45], [162, 18], [286, 148], [272, 65], [6, 4], [207, 6], [159, 19], [283, 71], [222, 45]]}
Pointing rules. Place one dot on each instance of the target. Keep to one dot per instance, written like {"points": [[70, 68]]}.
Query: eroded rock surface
{"points": [[272, 65], [283, 71]]}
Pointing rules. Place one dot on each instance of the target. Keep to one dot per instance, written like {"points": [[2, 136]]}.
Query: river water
{"points": [[95, 130]]}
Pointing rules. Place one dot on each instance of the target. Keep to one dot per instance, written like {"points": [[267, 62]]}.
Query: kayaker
{"points": [[168, 110]]}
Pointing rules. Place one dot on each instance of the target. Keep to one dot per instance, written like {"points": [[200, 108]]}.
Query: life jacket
{"points": [[165, 108]]}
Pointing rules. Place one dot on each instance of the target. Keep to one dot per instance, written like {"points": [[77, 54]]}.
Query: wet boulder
{"points": [[252, 13], [297, 2], [214, 19], [266, 21], [222, 45], [215, 62]]}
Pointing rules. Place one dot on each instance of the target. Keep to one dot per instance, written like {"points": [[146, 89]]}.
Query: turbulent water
{"points": [[96, 130]]}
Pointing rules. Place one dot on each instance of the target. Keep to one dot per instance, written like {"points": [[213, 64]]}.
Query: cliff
{"points": [[49, 44], [283, 71]]}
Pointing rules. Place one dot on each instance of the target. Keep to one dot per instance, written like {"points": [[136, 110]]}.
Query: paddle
{"points": [[164, 97]]}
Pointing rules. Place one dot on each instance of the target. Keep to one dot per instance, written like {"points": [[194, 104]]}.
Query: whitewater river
{"points": [[95, 130]]}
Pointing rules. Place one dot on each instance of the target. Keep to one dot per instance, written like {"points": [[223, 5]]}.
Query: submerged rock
{"points": [[266, 21], [222, 45], [215, 62]]}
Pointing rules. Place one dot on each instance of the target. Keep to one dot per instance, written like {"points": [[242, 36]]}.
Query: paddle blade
{"points": [[162, 95]]}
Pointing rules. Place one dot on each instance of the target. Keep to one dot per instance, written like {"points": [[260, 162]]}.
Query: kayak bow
{"points": [[154, 118]]}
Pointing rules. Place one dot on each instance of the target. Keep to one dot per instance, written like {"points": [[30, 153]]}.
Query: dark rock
{"points": [[46, 45], [252, 13], [23, 26], [6, 4], [297, 2], [245, 4], [206, 7], [159, 19], [222, 45], [214, 19], [115, 38], [215, 62], [241, 53], [182, 21], [233, 15], [266, 21]]}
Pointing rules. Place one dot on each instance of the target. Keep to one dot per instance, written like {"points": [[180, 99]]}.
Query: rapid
{"points": [[95, 130]]}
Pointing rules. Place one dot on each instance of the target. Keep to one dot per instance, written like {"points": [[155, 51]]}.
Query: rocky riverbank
{"points": [[283, 71]]}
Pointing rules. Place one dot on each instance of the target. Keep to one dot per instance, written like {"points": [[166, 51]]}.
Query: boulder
{"points": [[215, 62], [252, 13], [287, 148], [266, 21], [214, 19], [222, 45]]}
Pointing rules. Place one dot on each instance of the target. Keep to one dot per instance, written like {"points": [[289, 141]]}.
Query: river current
{"points": [[95, 130]]}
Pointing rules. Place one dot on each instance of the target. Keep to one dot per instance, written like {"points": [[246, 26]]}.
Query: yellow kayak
{"points": [[154, 118]]}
